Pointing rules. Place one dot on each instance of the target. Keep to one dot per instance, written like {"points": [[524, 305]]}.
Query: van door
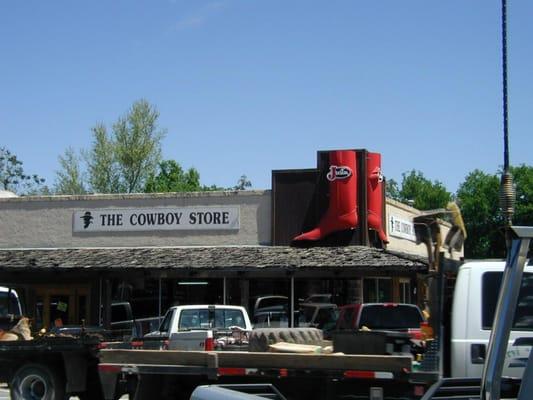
{"points": [[517, 355]]}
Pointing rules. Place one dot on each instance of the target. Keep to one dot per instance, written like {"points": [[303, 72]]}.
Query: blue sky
{"points": [[244, 87]]}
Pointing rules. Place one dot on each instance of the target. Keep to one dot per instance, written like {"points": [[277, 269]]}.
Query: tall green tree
{"points": [[392, 190], [422, 193], [104, 175], [13, 177], [523, 179], [171, 177], [69, 179], [478, 199], [123, 160], [243, 183], [137, 145]]}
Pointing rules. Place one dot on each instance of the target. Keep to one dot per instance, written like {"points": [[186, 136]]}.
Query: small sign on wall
{"points": [[401, 228], [157, 219]]}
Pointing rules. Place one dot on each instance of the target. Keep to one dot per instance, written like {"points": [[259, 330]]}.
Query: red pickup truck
{"points": [[395, 319]]}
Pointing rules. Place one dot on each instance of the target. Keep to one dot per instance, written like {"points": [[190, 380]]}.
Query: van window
{"points": [[523, 319], [9, 305]]}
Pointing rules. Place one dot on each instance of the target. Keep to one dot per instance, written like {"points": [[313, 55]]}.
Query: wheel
{"points": [[37, 382]]}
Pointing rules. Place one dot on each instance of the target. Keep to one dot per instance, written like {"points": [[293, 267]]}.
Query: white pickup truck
{"points": [[201, 327]]}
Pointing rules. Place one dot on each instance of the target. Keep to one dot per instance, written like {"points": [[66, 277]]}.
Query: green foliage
{"points": [[137, 145], [104, 176], [13, 177], [171, 178], [392, 191], [69, 179], [478, 199], [422, 193], [123, 160], [523, 179], [243, 183]]}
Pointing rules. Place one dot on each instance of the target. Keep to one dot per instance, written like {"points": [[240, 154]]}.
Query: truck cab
{"points": [[10, 308], [200, 327], [475, 297]]}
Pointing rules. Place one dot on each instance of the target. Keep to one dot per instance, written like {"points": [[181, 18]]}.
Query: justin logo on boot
{"points": [[338, 172]]}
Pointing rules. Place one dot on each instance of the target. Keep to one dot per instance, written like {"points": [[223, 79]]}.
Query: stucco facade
{"points": [[47, 222]]}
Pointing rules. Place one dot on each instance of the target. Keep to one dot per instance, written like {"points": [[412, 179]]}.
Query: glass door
{"points": [[60, 306]]}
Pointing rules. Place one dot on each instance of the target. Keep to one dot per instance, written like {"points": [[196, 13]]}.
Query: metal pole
{"points": [[292, 301], [503, 318]]}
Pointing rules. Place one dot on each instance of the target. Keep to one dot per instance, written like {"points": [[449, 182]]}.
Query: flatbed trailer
{"points": [[51, 368], [144, 374]]}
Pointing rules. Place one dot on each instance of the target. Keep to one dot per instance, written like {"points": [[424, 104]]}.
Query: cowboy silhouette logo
{"points": [[87, 219]]}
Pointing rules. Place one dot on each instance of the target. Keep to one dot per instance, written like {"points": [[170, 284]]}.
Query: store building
{"points": [[71, 257]]}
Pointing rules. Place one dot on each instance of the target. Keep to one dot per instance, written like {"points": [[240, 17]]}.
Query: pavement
{"points": [[4, 394]]}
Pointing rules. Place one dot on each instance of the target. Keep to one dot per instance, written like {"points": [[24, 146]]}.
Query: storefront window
{"points": [[405, 291], [377, 290]]}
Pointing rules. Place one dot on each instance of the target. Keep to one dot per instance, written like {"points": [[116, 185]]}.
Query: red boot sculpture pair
{"points": [[342, 212]]}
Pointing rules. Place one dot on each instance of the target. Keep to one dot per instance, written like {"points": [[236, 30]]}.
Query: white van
{"points": [[474, 304], [9, 302]]}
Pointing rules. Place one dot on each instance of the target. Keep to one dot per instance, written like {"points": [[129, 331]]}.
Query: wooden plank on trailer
{"points": [[155, 357], [386, 363], [236, 359]]}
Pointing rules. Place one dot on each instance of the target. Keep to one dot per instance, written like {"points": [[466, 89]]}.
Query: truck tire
{"points": [[260, 339], [37, 382]]}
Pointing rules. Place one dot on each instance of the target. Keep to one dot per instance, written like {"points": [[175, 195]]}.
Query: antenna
{"points": [[507, 191]]}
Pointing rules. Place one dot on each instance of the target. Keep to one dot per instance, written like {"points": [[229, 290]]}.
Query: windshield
{"points": [[390, 317], [207, 319]]}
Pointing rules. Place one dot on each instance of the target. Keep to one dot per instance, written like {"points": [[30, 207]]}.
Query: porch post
{"points": [[292, 301], [224, 293], [159, 305]]}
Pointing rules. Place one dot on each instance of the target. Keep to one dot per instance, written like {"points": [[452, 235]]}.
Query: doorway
{"points": [[61, 305]]}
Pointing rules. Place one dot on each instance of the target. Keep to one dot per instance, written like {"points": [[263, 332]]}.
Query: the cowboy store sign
{"points": [[156, 219]]}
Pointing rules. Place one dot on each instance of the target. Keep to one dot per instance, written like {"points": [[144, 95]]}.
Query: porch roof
{"points": [[231, 258]]}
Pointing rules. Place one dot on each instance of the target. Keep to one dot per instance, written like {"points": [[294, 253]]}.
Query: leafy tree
{"points": [[137, 145], [13, 177], [422, 193], [172, 178], [523, 179], [243, 183], [392, 191], [69, 180], [478, 198], [124, 160], [104, 176]]}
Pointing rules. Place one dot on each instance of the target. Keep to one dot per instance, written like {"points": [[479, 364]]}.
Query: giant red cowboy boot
{"points": [[342, 210], [375, 197]]}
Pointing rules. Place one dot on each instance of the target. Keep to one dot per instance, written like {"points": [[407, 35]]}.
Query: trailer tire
{"points": [[260, 339], [37, 381]]}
